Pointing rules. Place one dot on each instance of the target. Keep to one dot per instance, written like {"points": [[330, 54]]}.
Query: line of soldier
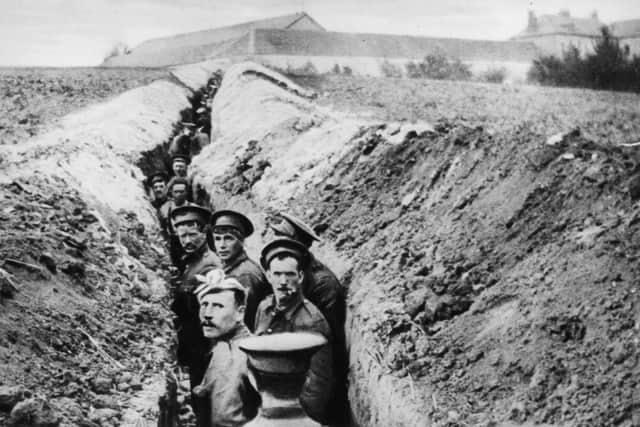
{"points": [[220, 295]]}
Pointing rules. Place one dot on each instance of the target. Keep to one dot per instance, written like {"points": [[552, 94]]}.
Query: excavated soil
{"points": [[32, 99], [82, 330], [492, 274]]}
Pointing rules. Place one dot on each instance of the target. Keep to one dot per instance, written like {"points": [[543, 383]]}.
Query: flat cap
{"points": [[214, 282], [296, 229], [180, 158], [233, 219], [283, 246], [157, 176], [190, 213], [177, 180], [282, 353]]}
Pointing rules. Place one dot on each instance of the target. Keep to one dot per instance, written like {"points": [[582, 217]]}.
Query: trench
{"points": [[234, 192]]}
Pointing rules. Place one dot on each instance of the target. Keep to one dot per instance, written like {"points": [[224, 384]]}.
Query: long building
{"points": [[298, 41]]}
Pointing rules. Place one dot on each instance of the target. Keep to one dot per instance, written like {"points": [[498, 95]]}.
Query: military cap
{"points": [[214, 282], [177, 180], [180, 157], [282, 353], [233, 219], [283, 246], [296, 229], [190, 213], [157, 176]]}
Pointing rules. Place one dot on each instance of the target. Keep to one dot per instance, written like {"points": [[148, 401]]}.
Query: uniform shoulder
{"points": [[265, 304], [211, 258]]}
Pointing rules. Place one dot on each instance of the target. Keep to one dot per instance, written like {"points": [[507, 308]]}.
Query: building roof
{"points": [[315, 43], [628, 28], [563, 23], [196, 46]]}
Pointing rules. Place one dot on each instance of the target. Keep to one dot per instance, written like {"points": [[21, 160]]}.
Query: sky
{"points": [[82, 32]]}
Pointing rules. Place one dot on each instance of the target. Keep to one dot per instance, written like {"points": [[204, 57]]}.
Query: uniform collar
{"points": [[242, 256], [287, 312], [240, 331]]}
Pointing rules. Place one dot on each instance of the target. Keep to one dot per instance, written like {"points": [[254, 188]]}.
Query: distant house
{"points": [[553, 34], [200, 45], [629, 34]]}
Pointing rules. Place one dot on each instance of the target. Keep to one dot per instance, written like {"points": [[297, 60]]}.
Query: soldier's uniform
{"points": [[241, 267], [232, 399], [299, 316], [323, 289], [192, 345], [157, 202], [181, 143]]}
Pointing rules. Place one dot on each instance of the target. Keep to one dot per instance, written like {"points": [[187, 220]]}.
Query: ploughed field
{"points": [[31, 99], [496, 269]]}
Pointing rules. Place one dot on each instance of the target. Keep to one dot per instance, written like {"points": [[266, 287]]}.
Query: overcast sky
{"points": [[81, 32]]}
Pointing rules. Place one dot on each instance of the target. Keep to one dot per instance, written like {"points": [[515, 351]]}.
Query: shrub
{"points": [[307, 70], [389, 69], [346, 70], [494, 75], [117, 50], [335, 69], [608, 67], [438, 66]]}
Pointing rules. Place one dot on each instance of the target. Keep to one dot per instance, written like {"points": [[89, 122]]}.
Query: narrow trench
{"points": [[174, 409]]}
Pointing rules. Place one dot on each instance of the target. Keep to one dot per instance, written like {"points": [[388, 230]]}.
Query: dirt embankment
{"points": [[85, 330], [491, 275], [33, 99]]}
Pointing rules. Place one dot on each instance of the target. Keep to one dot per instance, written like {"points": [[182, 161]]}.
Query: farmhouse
{"points": [[629, 34], [553, 34]]}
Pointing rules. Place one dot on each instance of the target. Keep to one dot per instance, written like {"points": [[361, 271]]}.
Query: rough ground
{"points": [[78, 332], [85, 333], [496, 274], [31, 99], [603, 116]]}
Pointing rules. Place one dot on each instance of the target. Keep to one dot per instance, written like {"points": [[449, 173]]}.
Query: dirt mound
{"points": [[491, 268], [34, 98], [80, 323], [493, 276]]}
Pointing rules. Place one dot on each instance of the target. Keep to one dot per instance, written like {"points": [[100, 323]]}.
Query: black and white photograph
{"points": [[319, 213]]}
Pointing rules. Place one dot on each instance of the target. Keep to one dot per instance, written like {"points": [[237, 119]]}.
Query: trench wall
{"points": [[95, 151], [296, 145]]}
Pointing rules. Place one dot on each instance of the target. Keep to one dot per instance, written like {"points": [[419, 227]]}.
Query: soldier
{"points": [[232, 399], [320, 285], [230, 229], [190, 224], [200, 140], [178, 189], [322, 288], [181, 143], [179, 164], [288, 311], [158, 183]]}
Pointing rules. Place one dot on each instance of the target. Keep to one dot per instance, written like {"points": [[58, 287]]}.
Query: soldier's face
{"points": [[179, 168], [227, 245], [191, 237], [285, 278], [219, 314], [179, 193], [159, 189]]}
